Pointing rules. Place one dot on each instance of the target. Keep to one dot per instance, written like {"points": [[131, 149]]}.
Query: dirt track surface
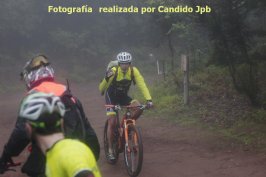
{"points": [[169, 149]]}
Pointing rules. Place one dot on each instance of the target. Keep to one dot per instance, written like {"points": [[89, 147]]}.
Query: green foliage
{"points": [[250, 131], [246, 75], [214, 105], [256, 116], [165, 97], [231, 31], [262, 84], [210, 80]]}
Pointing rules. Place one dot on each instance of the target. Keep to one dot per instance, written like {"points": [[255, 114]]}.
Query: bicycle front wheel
{"points": [[133, 152]]}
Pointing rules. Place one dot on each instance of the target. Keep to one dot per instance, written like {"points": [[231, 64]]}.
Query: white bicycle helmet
{"points": [[37, 69], [124, 57], [39, 107]]}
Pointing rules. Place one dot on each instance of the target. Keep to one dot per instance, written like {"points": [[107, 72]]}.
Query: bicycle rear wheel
{"points": [[133, 153], [114, 145]]}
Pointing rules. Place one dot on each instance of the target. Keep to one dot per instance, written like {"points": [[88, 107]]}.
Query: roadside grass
{"points": [[214, 106]]}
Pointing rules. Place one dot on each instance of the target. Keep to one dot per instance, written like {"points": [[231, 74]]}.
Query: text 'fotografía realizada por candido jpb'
{"points": [[86, 9]]}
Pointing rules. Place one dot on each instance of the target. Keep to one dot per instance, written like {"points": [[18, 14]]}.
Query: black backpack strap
{"points": [[116, 72], [77, 124], [132, 75], [115, 76]]}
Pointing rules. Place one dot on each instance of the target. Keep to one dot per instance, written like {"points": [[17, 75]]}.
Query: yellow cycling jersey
{"points": [[126, 76], [68, 157]]}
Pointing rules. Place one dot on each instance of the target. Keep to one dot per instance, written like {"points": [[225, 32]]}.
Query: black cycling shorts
{"points": [[115, 98]]}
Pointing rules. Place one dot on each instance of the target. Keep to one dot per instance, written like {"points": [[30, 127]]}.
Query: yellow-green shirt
{"points": [[120, 76], [69, 157]]}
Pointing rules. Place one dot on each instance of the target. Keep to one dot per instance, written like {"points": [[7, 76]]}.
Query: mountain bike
{"points": [[127, 139]]}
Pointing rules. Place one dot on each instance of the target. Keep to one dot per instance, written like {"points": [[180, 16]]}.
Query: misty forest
{"points": [[226, 51]]}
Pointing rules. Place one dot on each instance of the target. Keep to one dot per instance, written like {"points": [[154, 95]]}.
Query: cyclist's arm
{"points": [[107, 80], [85, 173], [103, 86], [141, 84], [18, 140]]}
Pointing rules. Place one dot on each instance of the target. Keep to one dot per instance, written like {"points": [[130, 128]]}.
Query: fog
{"points": [[78, 45]]}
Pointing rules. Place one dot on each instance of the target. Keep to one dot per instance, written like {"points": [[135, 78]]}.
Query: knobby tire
{"points": [[134, 154]]}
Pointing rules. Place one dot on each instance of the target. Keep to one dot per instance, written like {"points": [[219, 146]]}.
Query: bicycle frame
{"points": [[127, 120], [127, 139]]}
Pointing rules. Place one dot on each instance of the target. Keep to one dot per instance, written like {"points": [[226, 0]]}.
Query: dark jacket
{"points": [[76, 125]]}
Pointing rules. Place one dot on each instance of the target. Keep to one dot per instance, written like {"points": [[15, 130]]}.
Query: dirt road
{"points": [[169, 149]]}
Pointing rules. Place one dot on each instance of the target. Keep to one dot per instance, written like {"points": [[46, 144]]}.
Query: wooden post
{"points": [[158, 67], [185, 69], [163, 70]]}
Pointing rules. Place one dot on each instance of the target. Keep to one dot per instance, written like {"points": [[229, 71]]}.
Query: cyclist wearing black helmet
{"points": [[39, 77]]}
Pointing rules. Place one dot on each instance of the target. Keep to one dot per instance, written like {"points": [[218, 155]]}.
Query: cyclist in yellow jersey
{"points": [[68, 158], [38, 75], [116, 85], [64, 157]]}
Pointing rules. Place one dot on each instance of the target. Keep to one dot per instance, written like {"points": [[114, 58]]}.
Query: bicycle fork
{"points": [[126, 124]]}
